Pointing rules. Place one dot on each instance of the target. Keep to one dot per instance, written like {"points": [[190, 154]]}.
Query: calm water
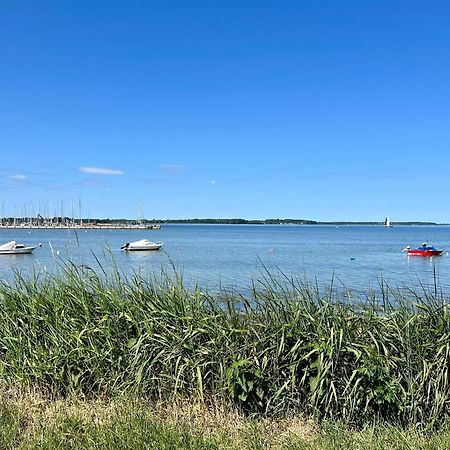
{"points": [[231, 256]]}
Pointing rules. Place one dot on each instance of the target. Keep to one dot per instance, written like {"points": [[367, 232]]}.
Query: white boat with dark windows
{"points": [[142, 245], [12, 248]]}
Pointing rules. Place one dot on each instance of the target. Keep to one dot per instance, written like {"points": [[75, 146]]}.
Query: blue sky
{"points": [[321, 110]]}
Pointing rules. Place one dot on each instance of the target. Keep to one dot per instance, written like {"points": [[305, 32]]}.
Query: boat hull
{"points": [[18, 251], [418, 252], [143, 249]]}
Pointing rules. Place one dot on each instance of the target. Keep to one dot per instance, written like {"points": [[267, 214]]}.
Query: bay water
{"points": [[231, 257]]}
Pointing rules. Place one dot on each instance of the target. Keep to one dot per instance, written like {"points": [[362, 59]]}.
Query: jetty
{"points": [[64, 223], [84, 227]]}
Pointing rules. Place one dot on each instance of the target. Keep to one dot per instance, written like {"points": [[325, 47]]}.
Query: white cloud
{"points": [[157, 181], [18, 177], [173, 168], [90, 182], [100, 171]]}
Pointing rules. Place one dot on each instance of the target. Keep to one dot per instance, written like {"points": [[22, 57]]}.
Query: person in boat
{"points": [[425, 246]]}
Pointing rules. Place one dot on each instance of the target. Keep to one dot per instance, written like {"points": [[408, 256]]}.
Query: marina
{"points": [[65, 223], [77, 226], [31, 218]]}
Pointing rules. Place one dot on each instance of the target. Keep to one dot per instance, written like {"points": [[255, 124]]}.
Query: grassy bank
{"points": [[30, 421], [287, 349]]}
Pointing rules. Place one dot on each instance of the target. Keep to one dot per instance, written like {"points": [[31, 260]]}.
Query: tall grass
{"points": [[286, 347]]}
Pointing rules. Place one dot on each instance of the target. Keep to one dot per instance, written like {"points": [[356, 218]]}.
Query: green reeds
{"points": [[286, 348]]}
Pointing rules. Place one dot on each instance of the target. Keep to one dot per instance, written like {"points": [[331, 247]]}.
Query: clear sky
{"points": [[323, 110]]}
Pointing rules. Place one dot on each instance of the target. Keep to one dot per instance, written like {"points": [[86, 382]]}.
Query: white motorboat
{"points": [[141, 245], [12, 248]]}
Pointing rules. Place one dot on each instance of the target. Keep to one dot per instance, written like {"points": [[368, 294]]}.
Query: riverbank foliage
{"points": [[287, 348]]}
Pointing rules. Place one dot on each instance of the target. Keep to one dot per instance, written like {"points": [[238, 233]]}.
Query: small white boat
{"points": [[141, 245], [12, 248]]}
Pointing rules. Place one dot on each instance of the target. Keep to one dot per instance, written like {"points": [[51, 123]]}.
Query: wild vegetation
{"points": [[30, 421], [287, 348]]}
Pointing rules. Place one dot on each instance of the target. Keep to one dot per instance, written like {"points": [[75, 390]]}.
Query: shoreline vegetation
{"points": [[290, 365], [30, 420], [67, 222]]}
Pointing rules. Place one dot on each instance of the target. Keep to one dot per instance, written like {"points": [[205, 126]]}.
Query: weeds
{"points": [[285, 348]]}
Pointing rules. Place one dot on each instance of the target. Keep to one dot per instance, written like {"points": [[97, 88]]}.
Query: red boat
{"points": [[424, 250]]}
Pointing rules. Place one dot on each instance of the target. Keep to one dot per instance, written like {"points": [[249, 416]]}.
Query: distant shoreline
{"points": [[286, 222], [120, 224]]}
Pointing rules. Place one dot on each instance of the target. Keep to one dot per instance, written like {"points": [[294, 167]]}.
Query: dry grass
{"points": [[34, 420], [37, 412]]}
